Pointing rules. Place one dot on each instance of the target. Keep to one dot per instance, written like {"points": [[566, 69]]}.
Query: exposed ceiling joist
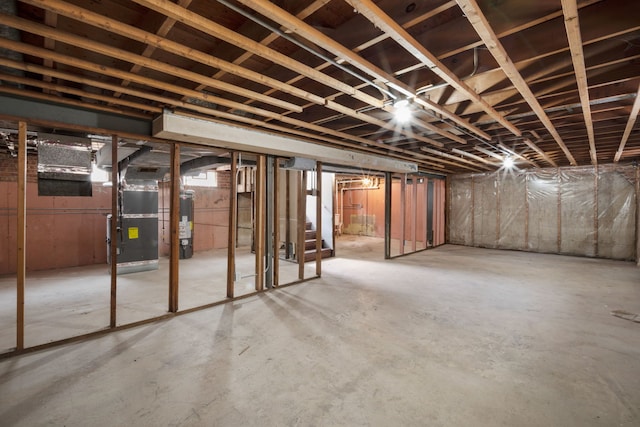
{"points": [[299, 27], [572, 25], [404, 39], [627, 130], [300, 70], [481, 25]]}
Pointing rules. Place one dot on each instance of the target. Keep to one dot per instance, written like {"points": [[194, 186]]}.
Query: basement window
{"points": [[204, 179]]}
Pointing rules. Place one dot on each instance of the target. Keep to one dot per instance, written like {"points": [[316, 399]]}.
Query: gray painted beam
{"points": [[31, 109]]}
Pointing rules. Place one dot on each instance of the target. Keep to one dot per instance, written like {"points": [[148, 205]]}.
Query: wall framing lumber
{"points": [[113, 244], [233, 225], [174, 227], [21, 233]]}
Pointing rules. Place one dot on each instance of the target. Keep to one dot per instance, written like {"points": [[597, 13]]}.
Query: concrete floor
{"points": [[69, 302], [453, 336]]}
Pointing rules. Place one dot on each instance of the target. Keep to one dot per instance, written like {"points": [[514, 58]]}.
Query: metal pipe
{"points": [[306, 48], [429, 88]]}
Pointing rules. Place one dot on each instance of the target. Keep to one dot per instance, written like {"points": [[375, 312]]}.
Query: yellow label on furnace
{"points": [[133, 232]]}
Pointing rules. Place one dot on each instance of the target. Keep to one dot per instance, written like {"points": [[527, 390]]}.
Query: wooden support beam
{"points": [[287, 215], [381, 20], [572, 26], [51, 20], [174, 228], [345, 140], [542, 154], [159, 42], [307, 11], [276, 221], [214, 29], [260, 222], [479, 22], [113, 230], [388, 179], [414, 213], [305, 30], [163, 67], [318, 219], [162, 31], [302, 220], [474, 157], [53, 88], [403, 211], [233, 225], [21, 233], [627, 130]]}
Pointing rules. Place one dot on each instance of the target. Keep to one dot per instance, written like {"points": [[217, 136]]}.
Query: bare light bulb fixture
{"points": [[508, 162], [401, 111]]}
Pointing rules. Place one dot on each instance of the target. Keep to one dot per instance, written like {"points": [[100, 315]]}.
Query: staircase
{"points": [[310, 244]]}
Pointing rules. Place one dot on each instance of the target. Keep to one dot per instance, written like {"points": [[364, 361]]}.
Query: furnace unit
{"points": [[137, 230]]}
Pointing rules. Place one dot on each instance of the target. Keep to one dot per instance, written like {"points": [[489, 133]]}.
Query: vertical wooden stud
{"points": [[559, 207], [276, 222], [318, 219], [473, 209], [526, 211], [233, 225], [414, 214], [638, 215], [287, 215], [113, 232], [21, 234], [403, 211], [498, 190], [387, 214], [302, 220], [174, 227], [595, 212], [260, 223]]}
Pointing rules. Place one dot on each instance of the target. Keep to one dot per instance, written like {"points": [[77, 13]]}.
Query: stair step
{"points": [[310, 255], [308, 225], [310, 235], [311, 244]]}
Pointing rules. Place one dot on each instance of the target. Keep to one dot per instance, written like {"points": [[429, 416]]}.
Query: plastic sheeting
{"points": [[460, 211], [576, 211]]}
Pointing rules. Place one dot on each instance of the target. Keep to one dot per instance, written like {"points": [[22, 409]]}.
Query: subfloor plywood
{"points": [[446, 337]]}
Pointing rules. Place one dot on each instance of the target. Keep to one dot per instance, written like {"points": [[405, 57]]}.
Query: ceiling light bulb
{"points": [[508, 162], [401, 111]]}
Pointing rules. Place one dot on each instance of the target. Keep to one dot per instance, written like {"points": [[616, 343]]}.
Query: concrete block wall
{"points": [[585, 211]]}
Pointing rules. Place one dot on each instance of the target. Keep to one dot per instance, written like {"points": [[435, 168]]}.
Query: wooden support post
{"points": [[447, 209], [276, 221], [302, 220], [414, 214], [113, 229], [388, 177], [21, 243], [638, 216], [526, 212], [498, 190], [426, 213], [260, 223], [233, 225], [287, 214], [559, 241], [473, 208], [318, 219], [403, 211], [595, 212], [174, 227]]}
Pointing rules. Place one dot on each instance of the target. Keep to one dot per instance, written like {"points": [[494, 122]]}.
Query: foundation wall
{"points": [[585, 211]]}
